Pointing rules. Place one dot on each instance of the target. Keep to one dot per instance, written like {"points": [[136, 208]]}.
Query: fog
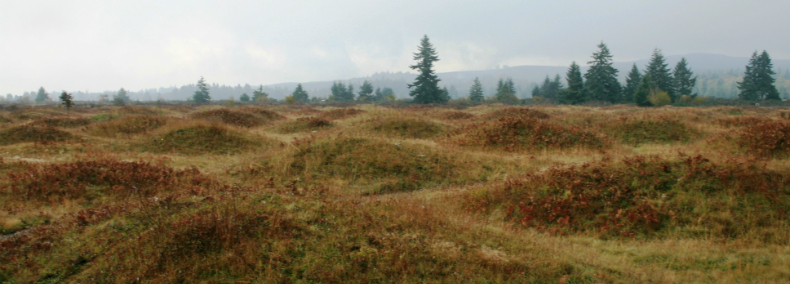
{"points": [[97, 46]]}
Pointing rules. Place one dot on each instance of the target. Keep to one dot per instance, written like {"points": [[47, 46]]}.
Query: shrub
{"points": [[230, 117], [128, 125], [767, 138], [662, 130], [32, 133], [202, 139], [524, 134], [405, 127], [659, 98], [646, 197]]}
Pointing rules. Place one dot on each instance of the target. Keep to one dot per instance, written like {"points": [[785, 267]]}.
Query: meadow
{"points": [[376, 194]]}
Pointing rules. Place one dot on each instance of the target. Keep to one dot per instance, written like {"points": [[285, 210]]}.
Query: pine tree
{"points": [[660, 74], [42, 95], [244, 97], [201, 95], [476, 92], [299, 94], [426, 85], [365, 92], [67, 100], [684, 79], [643, 91], [758, 80], [259, 95], [602, 83], [121, 98], [631, 84], [536, 92], [574, 94]]}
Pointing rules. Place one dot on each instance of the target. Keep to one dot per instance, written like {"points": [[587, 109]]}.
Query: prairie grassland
{"points": [[369, 194]]}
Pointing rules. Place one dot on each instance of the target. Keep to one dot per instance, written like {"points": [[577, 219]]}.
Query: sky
{"points": [[105, 45]]}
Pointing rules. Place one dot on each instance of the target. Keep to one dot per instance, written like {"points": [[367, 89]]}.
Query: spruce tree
{"points": [[660, 74], [643, 91], [536, 92], [758, 81], [684, 79], [476, 91], [574, 94], [506, 92], [602, 83], [631, 83], [341, 93], [201, 95], [365, 92], [42, 95], [244, 97], [426, 85], [299, 94]]}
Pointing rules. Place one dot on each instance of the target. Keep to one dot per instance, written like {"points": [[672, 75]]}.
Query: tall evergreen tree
{"points": [[201, 95], [551, 89], [758, 80], [365, 92], [299, 94], [42, 95], [660, 74], [574, 94], [426, 85], [536, 92], [631, 83], [643, 91], [476, 91], [684, 79], [602, 83], [121, 98]]}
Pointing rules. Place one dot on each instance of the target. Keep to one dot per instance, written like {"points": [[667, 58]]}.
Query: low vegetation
{"points": [[372, 194]]}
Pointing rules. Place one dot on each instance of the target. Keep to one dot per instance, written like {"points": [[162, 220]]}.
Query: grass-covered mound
{"points": [[407, 127], [340, 113], [648, 197], [231, 117], [767, 138], [524, 134], [127, 125], [32, 133], [517, 112], [303, 124], [65, 122], [137, 110], [202, 139], [4, 119], [400, 167], [642, 130], [102, 117], [455, 115], [265, 114], [93, 179], [739, 121]]}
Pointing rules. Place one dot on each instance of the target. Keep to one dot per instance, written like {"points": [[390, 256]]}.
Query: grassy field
{"points": [[370, 194]]}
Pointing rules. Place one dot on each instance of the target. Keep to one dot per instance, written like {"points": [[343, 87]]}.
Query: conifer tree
{"points": [[42, 95], [574, 94], [536, 92], [244, 97], [67, 100], [684, 79], [643, 91], [426, 85], [341, 93], [506, 91], [299, 94], [758, 80], [476, 91], [259, 95], [201, 95], [631, 83], [660, 74], [365, 92], [602, 83]]}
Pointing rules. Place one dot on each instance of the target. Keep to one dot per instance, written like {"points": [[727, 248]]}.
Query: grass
{"points": [[64, 122], [490, 194]]}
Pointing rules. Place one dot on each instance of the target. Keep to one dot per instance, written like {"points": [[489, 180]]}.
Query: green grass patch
{"points": [[127, 125], [203, 139], [640, 131], [406, 127], [31, 133]]}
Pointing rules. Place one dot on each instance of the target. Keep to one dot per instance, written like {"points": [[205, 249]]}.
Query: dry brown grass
{"points": [[489, 194]]}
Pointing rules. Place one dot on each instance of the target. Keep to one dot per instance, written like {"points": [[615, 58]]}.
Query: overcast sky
{"points": [[106, 45]]}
